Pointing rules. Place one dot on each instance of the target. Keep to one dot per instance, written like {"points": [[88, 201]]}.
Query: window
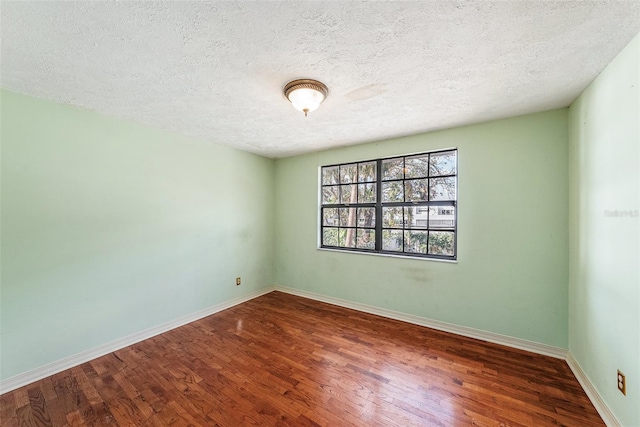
{"points": [[401, 205]]}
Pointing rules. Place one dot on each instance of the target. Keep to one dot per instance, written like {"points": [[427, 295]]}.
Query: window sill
{"points": [[449, 261]]}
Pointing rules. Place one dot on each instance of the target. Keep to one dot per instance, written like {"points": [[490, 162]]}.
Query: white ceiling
{"points": [[215, 70]]}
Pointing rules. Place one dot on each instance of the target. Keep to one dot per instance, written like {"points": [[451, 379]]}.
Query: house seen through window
{"points": [[402, 205]]}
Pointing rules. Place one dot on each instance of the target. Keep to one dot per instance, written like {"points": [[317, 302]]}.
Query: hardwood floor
{"points": [[281, 360]]}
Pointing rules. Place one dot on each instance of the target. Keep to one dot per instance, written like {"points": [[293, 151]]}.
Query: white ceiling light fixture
{"points": [[306, 95]]}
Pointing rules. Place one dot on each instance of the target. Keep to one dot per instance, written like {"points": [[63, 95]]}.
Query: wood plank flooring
{"points": [[281, 360]]}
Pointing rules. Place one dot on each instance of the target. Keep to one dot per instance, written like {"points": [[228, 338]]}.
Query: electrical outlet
{"points": [[238, 281], [622, 383]]}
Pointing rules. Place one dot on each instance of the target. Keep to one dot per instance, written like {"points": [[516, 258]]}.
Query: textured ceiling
{"points": [[215, 70]]}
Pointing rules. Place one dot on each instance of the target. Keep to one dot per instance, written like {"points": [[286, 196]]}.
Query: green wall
{"points": [[604, 289], [512, 270], [110, 228]]}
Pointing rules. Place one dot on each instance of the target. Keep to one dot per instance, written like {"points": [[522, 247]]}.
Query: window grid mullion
{"points": [[379, 205], [378, 244]]}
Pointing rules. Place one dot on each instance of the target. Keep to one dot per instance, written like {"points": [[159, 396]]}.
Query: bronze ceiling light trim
{"points": [[306, 95]]}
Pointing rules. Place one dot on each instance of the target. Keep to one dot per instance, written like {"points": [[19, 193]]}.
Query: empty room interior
{"points": [[320, 213]]}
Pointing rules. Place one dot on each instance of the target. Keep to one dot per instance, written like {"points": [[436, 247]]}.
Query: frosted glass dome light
{"points": [[305, 95]]}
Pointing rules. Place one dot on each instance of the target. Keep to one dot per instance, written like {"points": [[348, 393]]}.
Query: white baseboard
{"points": [[47, 370], [559, 353], [31, 376], [534, 347], [607, 416]]}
